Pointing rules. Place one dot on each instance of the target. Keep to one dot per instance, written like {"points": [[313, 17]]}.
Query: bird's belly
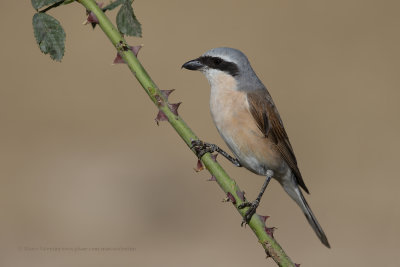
{"points": [[231, 115]]}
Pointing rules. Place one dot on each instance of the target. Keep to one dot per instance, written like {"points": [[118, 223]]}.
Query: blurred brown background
{"points": [[83, 164]]}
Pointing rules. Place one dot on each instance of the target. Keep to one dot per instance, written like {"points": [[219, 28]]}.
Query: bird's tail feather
{"points": [[294, 192]]}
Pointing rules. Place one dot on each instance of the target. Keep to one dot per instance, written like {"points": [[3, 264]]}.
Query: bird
{"points": [[248, 121]]}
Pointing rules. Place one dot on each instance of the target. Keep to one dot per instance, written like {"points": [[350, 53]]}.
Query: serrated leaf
{"points": [[126, 21], [41, 3], [113, 5], [49, 35]]}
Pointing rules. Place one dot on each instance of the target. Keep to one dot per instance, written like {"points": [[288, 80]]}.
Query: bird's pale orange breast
{"points": [[230, 111]]}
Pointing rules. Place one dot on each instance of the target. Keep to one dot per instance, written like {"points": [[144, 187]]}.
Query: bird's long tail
{"points": [[294, 192]]}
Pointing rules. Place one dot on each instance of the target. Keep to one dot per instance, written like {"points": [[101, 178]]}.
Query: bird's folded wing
{"points": [[269, 122]]}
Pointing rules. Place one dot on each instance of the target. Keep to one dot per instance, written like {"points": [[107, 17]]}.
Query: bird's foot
{"points": [[250, 212], [202, 148]]}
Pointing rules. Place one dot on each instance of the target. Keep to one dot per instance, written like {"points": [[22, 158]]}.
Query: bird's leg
{"points": [[203, 148], [253, 205]]}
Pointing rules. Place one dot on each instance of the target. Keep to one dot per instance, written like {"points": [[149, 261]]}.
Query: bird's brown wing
{"points": [[269, 122]]}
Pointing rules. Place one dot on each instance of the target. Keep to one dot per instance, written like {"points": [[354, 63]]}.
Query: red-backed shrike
{"points": [[248, 121]]}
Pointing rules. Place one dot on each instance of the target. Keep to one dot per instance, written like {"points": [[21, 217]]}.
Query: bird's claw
{"points": [[196, 144], [250, 212], [201, 148]]}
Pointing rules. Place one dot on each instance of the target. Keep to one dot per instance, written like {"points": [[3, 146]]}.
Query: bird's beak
{"points": [[194, 64]]}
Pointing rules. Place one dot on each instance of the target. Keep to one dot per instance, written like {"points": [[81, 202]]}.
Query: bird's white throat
{"points": [[220, 80]]}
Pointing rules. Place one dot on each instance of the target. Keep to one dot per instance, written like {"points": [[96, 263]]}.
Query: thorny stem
{"points": [[229, 186]]}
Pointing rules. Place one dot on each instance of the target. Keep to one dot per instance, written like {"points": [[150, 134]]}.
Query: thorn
{"points": [[160, 117], [231, 197], [118, 59], [268, 255], [212, 178], [166, 93], [263, 218], [91, 17], [174, 107], [270, 231], [240, 194], [214, 157], [199, 166], [135, 49]]}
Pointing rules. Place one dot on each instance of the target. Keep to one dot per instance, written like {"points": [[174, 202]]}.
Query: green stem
{"points": [[228, 185]]}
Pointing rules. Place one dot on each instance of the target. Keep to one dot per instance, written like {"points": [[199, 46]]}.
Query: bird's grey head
{"points": [[229, 61]]}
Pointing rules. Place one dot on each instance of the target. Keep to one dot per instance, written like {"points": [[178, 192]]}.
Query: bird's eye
{"points": [[217, 61]]}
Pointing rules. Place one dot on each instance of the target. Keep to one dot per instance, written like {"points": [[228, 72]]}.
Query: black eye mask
{"points": [[219, 64]]}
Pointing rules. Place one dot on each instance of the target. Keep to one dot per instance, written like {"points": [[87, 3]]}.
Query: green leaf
{"points": [[126, 20], [113, 5], [41, 3], [49, 35]]}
